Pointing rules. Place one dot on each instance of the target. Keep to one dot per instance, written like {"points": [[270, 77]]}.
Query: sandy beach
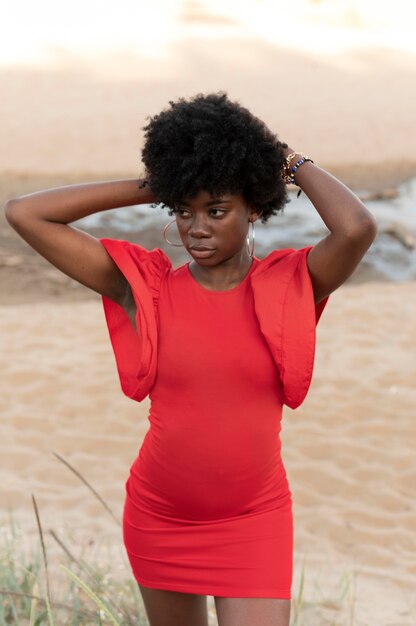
{"points": [[349, 449]]}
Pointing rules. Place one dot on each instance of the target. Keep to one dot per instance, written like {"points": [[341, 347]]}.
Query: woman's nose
{"points": [[199, 227]]}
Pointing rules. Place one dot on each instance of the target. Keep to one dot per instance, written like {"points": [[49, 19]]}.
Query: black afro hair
{"points": [[210, 143]]}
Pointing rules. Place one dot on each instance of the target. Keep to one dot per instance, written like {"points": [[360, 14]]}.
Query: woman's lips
{"points": [[202, 253]]}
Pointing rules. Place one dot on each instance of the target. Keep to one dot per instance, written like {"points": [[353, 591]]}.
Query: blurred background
{"points": [[336, 80]]}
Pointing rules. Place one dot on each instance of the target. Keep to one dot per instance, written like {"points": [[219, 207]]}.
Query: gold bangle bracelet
{"points": [[288, 176], [290, 157]]}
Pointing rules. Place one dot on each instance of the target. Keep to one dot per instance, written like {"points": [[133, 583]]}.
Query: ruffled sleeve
{"points": [[136, 352], [287, 315]]}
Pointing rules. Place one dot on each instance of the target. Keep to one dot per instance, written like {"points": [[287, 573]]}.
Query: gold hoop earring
{"points": [[164, 235]]}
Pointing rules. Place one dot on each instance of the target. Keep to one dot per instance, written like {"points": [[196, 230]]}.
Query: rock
{"points": [[400, 232], [384, 194], [11, 261]]}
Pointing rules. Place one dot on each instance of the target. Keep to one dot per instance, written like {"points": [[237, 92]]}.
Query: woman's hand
{"points": [[287, 151]]}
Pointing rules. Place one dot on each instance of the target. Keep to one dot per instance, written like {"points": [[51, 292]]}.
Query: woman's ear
{"points": [[254, 213]]}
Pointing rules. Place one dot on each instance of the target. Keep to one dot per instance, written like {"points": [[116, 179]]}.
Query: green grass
{"points": [[334, 610], [78, 593]]}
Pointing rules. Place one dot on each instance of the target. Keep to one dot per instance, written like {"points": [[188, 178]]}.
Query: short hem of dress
{"points": [[212, 591]]}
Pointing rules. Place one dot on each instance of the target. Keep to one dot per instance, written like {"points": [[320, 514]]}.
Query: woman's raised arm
{"points": [[42, 220], [352, 227]]}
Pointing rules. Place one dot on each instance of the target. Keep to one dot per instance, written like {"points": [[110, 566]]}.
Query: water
{"points": [[300, 225]]}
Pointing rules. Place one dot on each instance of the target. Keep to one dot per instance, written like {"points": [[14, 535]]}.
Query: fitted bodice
{"points": [[215, 411]]}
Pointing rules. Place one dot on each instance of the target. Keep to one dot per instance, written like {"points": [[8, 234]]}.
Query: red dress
{"points": [[208, 507]]}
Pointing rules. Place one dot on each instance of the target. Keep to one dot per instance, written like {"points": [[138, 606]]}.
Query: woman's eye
{"points": [[217, 211]]}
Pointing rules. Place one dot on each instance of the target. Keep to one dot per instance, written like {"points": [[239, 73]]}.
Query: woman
{"points": [[219, 344]]}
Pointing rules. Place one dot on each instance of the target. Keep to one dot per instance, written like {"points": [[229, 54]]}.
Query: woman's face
{"points": [[220, 224]]}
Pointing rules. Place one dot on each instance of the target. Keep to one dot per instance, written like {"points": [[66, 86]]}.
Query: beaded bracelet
{"points": [[289, 172]]}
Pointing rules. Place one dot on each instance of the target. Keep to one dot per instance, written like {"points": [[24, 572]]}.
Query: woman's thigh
{"points": [[171, 608], [249, 611]]}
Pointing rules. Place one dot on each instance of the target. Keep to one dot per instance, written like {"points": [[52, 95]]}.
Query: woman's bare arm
{"points": [[352, 228], [42, 220]]}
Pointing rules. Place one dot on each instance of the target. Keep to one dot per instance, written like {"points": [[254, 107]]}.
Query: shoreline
{"points": [[27, 277], [375, 176]]}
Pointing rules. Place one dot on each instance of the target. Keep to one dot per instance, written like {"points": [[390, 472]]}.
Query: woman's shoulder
{"points": [[280, 260], [122, 248]]}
